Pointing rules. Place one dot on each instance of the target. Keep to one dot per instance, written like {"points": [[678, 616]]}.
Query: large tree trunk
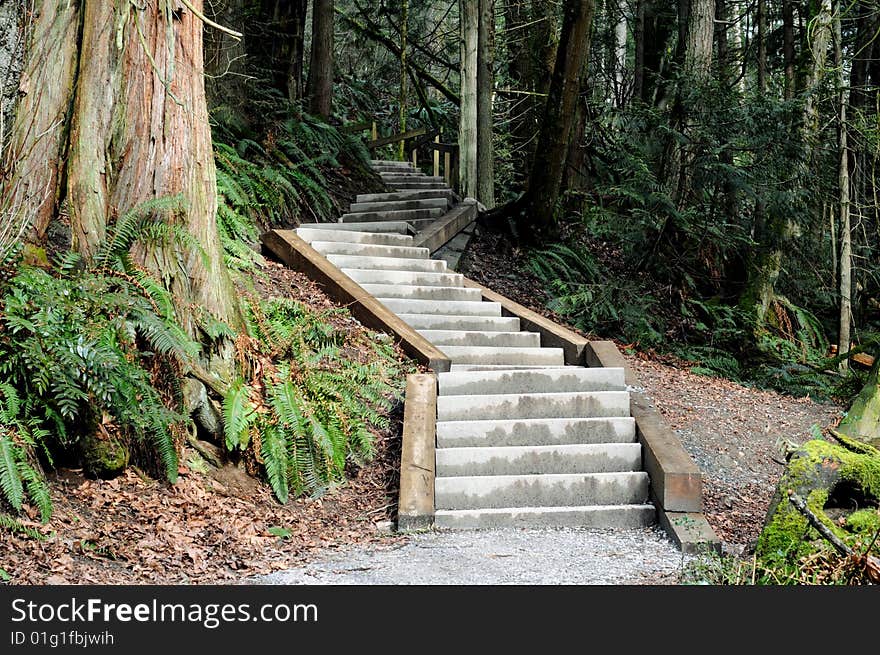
{"points": [[467, 131], [485, 105], [843, 340], [138, 131], [320, 84], [39, 139], [534, 212]]}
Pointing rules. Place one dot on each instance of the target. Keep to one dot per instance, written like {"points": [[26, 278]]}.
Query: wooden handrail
{"points": [[395, 138]]}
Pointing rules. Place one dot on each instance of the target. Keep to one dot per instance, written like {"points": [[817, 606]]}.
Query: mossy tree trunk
{"points": [[128, 124]]}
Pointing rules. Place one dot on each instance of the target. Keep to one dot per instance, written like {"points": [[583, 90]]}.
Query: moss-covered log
{"points": [[862, 421], [841, 486]]}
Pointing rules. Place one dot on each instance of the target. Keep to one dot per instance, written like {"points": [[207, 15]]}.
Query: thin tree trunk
{"points": [[788, 47], [762, 46], [297, 31], [467, 133], [821, 33], [843, 342], [639, 63], [402, 100], [320, 82], [485, 105], [519, 67], [620, 34]]}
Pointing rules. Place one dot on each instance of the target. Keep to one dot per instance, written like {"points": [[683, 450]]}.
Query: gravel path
{"points": [[496, 557]]}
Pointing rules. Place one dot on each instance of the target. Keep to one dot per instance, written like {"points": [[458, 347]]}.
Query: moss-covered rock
{"points": [[104, 456], [827, 476], [862, 421]]}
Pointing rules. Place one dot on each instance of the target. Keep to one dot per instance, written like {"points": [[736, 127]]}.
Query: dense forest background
{"points": [[694, 178]]}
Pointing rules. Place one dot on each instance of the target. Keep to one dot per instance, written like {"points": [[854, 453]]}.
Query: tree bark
{"points": [[620, 34], [467, 132], [297, 32], [485, 105], [843, 342], [534, 213], [402, 100], [788, 47], [320, 82], [762, 46], [39, 137], [139, 131]]}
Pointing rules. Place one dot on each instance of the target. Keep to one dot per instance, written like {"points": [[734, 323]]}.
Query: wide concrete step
{"points": [[395, 196], [490, 339], [366, 250], [532, 405], [511, 356], [399, 227], [620, 517], [393, 169], [350, 236], [556, 490], [418, 186], [399, 205], [412, 278], [458, 322], [533, 460], [395, 163], [535, 432], [497, 367], [447, 308], [422, 293], [404, 215], [570, 379], [388, 263], [393, 178]]}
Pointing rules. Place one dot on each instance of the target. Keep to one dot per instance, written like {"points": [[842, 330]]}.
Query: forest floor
{"points": [[222, 526]]}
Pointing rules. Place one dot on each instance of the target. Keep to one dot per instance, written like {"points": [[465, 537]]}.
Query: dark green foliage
{"points": [[315, 411], [87, 348]]}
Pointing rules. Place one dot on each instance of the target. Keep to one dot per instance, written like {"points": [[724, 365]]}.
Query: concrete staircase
{"points": [[522, 439]]}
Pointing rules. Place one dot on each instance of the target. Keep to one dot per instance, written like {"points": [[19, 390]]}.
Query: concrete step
{"points": [[418, 186], [557, 490], [535, 432], [399, 227], [350, 236], [399, 205], [533, 460], [422, 293], [385, 168], [458, 322], [366, 250], [511, 356], [491, 339], [497, 367], [404, 215], [393, 178], [395, 196], [366, 276], [452, 307], [388, 263], [570, 379], [532, 405], [389, 162], [620, 517]]}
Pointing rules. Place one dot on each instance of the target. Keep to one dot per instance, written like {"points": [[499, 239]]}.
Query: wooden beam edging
{"points": [[293, 251], [415, 507], [552, 335], [676, 481], [444, 229]]}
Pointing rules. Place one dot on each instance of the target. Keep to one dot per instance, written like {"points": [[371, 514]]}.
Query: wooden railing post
{"points": [[447, 167], [415, 157], [374, 133], [437, 158]]}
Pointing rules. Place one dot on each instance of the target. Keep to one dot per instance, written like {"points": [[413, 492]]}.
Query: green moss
{"points": [[864, 521], [104, 456], [814, 470]]}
